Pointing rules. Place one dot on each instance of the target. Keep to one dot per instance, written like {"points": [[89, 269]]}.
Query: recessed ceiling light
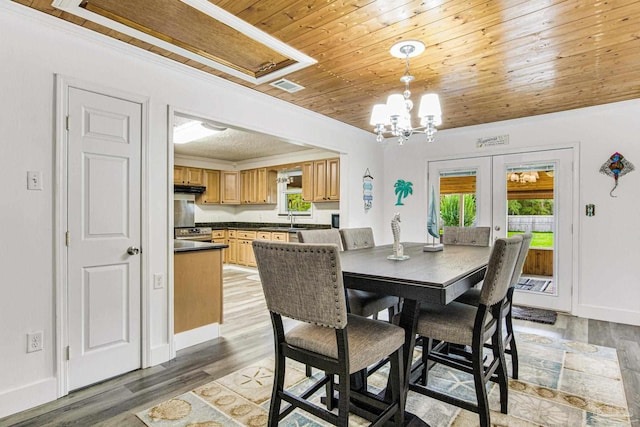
{"points": [[193, 131]]}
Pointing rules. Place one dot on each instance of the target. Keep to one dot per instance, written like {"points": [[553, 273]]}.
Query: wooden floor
{"points": [[247, 338]]}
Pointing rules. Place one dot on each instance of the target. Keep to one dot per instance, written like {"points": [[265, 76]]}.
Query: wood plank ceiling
{"points": [[489, 60]]}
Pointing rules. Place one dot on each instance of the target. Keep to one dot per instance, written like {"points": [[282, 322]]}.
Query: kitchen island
{"points": [[197, 301]]}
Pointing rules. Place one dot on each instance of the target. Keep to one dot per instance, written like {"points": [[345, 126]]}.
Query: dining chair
{"points": [[327, 337], [468, 236], [472, 297], [365, 303], [472, 326], [361, 303]]}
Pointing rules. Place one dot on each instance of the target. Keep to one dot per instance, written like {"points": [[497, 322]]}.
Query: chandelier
{"points": [[394, 117], [523, 177]]}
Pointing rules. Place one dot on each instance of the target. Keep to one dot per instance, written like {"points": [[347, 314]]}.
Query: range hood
{"points": [[192, 189]]}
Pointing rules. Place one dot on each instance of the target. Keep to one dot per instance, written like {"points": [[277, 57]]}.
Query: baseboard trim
{"points": [[159, 355], [627, 317], [28, 396], [196, 336]]}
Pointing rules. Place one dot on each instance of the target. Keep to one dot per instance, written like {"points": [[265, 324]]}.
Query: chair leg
{"points": [[343, 399], [427, 345], [501, 371], [329, 392], [396, 373], [481, 390], [278, 388], [307, 371], [513, 350]]}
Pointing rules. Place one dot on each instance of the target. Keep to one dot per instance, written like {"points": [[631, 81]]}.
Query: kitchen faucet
{"points": [[290, 214]]}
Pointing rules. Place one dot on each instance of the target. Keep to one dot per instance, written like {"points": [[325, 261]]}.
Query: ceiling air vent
{"points": [[287, 85]]}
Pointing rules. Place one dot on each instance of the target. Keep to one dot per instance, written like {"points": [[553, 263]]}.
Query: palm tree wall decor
{"points": [[403, 189]]}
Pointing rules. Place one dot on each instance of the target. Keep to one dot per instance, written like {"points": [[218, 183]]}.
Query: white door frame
{"points": [[575, 202], [60, 223]]}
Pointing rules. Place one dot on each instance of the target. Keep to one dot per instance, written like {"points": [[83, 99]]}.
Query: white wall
{"points": [[607, 260], [33, 48]]}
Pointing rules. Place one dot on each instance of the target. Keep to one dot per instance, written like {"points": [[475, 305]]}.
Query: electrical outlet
{"points": [[34, 342], [158, 281], [34, 180]]}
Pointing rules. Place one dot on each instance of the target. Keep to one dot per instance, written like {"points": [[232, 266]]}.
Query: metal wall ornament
{"points": [[616, 166], [367, 190], [402, 190]]}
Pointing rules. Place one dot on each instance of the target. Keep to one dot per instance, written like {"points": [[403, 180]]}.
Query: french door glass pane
{"points": [[458, 205], [530, 208]]}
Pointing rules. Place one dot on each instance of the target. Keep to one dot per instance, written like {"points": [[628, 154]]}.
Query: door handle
{"points": [[132, 250], [497, 228]]}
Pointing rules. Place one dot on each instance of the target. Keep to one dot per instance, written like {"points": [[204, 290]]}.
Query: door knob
{"points": [[132, 250], [497, 228]]}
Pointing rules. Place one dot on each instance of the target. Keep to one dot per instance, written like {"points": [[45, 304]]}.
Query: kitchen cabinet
{"points": [[211, 195], [232, 250], [307, 181], [245, 248], [187, 175], [321, 180], [258, 186], [230, 187], [197, 289], [240, 250], [220, 236]]}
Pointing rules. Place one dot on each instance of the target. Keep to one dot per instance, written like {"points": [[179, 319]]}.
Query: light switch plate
{"points": [[158, 281], [34, 180]]}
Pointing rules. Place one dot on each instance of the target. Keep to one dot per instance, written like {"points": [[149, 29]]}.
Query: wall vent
{"points": [[287, 85]]}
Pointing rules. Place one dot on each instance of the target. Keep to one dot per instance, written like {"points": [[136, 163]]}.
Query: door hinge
{"points": [[67, 353], [67, 122], [67, 238]]}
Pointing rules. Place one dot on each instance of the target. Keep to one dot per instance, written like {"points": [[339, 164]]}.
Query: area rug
{"points": [[537, 315], [534, 285], [562, 383]]}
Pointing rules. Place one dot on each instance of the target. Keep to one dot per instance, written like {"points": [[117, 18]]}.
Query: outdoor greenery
{"points": [[531, 207], [296, 204], [450, 209], [539, 239]]}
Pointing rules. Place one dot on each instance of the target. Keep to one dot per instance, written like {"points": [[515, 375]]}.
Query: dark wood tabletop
{"points": [[438, 277]]}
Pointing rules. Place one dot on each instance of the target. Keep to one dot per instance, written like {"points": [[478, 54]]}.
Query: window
{"points": [[290, 194]]}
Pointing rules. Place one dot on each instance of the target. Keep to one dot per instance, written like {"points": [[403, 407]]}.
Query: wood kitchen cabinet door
{"points": [[212, 193], [307, 181], [230, 187], [187, 175]]}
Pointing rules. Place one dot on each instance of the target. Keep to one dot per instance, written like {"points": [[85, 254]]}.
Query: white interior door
{"points": [[103, 214], [557, 256]]}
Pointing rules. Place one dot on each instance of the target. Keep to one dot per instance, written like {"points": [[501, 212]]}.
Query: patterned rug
{"points": [[562, 383], [534, 285]]}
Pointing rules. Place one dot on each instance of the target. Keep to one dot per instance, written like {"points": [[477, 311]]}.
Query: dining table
{"points": [[418, 276]]}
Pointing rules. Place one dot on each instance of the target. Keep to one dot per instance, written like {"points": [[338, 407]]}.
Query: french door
{"points": [[516, 193]]}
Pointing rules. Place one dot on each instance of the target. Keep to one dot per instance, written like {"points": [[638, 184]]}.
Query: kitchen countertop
{"points": [[262, 226], [191, 245]]}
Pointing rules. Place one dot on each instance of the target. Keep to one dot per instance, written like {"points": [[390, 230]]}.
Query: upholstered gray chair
{"points": [[472, 297], [303, 281], [357, 238], [468, 236], [472, 326], [362, 302]]}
